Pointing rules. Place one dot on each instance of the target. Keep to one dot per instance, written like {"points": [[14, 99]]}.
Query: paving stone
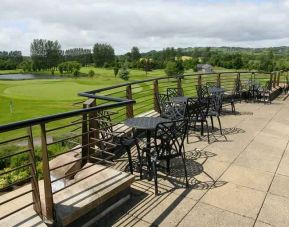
{"points": [[248, 177], [280, 186], [237, 199], [204, 215], [275, 211]]}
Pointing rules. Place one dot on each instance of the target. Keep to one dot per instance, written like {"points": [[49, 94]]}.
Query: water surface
{"points": [[27, 77]]}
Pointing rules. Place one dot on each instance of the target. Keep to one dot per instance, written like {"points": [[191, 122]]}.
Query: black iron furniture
{"points": [[169, 144], [112, 139], [216, 102], [197, 112], [147, 124], [162, 100], [202, 92]]}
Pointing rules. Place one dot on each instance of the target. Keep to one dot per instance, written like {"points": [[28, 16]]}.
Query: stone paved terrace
{"points": [[250, 170]]}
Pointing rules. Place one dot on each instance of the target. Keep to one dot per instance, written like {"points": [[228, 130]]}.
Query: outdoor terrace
{"points": [[240, 178]]}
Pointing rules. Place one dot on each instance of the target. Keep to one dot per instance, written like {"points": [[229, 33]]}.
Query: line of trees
{"points": [[10, 60], [48, 55]]}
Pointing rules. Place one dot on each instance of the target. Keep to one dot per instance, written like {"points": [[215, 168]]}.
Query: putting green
{"points": [[52, 90]]}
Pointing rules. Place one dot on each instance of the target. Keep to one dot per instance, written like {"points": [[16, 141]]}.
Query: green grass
{"points": [[10, 71], [35, 98]]}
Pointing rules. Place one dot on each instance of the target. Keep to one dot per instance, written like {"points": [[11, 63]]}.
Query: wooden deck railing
{"points": [[79, 129]]}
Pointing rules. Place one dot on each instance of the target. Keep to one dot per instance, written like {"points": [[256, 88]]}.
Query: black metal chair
{"points": [[216, 102], [174, 92], [174, 111], [197, 112], [202, 93], [110, 141], [162, 99], [169, 144], [265, 92]]}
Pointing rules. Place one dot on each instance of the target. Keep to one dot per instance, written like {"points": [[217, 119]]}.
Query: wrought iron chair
{"points": [[162, 99], [265, 92], [197, 113], [174, 111], [174, 92], [229, 98], [215, 108], [169, 144], [202, 93], [110, 139]]}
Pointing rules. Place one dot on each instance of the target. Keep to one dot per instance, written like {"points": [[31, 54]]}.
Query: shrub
{"points": [[124, 73], [69, 67], [91, 73], [106, 65]]}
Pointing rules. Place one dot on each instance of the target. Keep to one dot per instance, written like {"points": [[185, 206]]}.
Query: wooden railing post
{"points": [[278, 77], [34, 179], [274, 80], [200, 80], [129, 108], [156, 90], [219, 80], [49, 219], [90, 134], [179, 82], [271, 80]]}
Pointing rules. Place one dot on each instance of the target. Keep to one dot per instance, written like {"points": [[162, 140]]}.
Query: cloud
{"points": [[150, 24]]}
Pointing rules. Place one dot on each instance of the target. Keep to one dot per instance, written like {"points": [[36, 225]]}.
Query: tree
{"points": [[26, 65], [81, 55], [72, 67], [103, 53], [135, 54], [45, 54], [91, 73], [124, 73], [180, 67], [171, 69]]}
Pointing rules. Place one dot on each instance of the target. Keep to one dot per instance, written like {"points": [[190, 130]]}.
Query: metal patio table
{"points": [[147, 124], [216, 90]]}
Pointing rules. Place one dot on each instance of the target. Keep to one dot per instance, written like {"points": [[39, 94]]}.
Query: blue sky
{"points": [[148, 24]]}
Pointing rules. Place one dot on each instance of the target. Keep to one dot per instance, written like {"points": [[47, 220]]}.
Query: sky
{"points": [[147, 24]]}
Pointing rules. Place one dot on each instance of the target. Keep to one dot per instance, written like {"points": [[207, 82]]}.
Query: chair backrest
{"points": [[174, 111], [162, 99], [202, 92], [169, 138], [105, 124], [197, 109], [211, 84], [217, 102], [174, 92], [237, 86]]}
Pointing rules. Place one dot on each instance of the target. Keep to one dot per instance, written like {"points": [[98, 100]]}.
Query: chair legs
{"points": [[212, 122], [220, 125], [155, 177], [129, 159], [185, 168]]}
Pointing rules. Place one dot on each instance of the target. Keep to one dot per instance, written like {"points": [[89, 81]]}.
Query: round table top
{"points": [[146, 123], [180, 99], [216, 90]]}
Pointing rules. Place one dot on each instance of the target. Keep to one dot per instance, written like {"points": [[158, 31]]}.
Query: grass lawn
{"points": [[27, 99]]}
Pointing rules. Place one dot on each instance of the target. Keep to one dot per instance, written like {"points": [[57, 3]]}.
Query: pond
{"points": [[27, 77]]}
